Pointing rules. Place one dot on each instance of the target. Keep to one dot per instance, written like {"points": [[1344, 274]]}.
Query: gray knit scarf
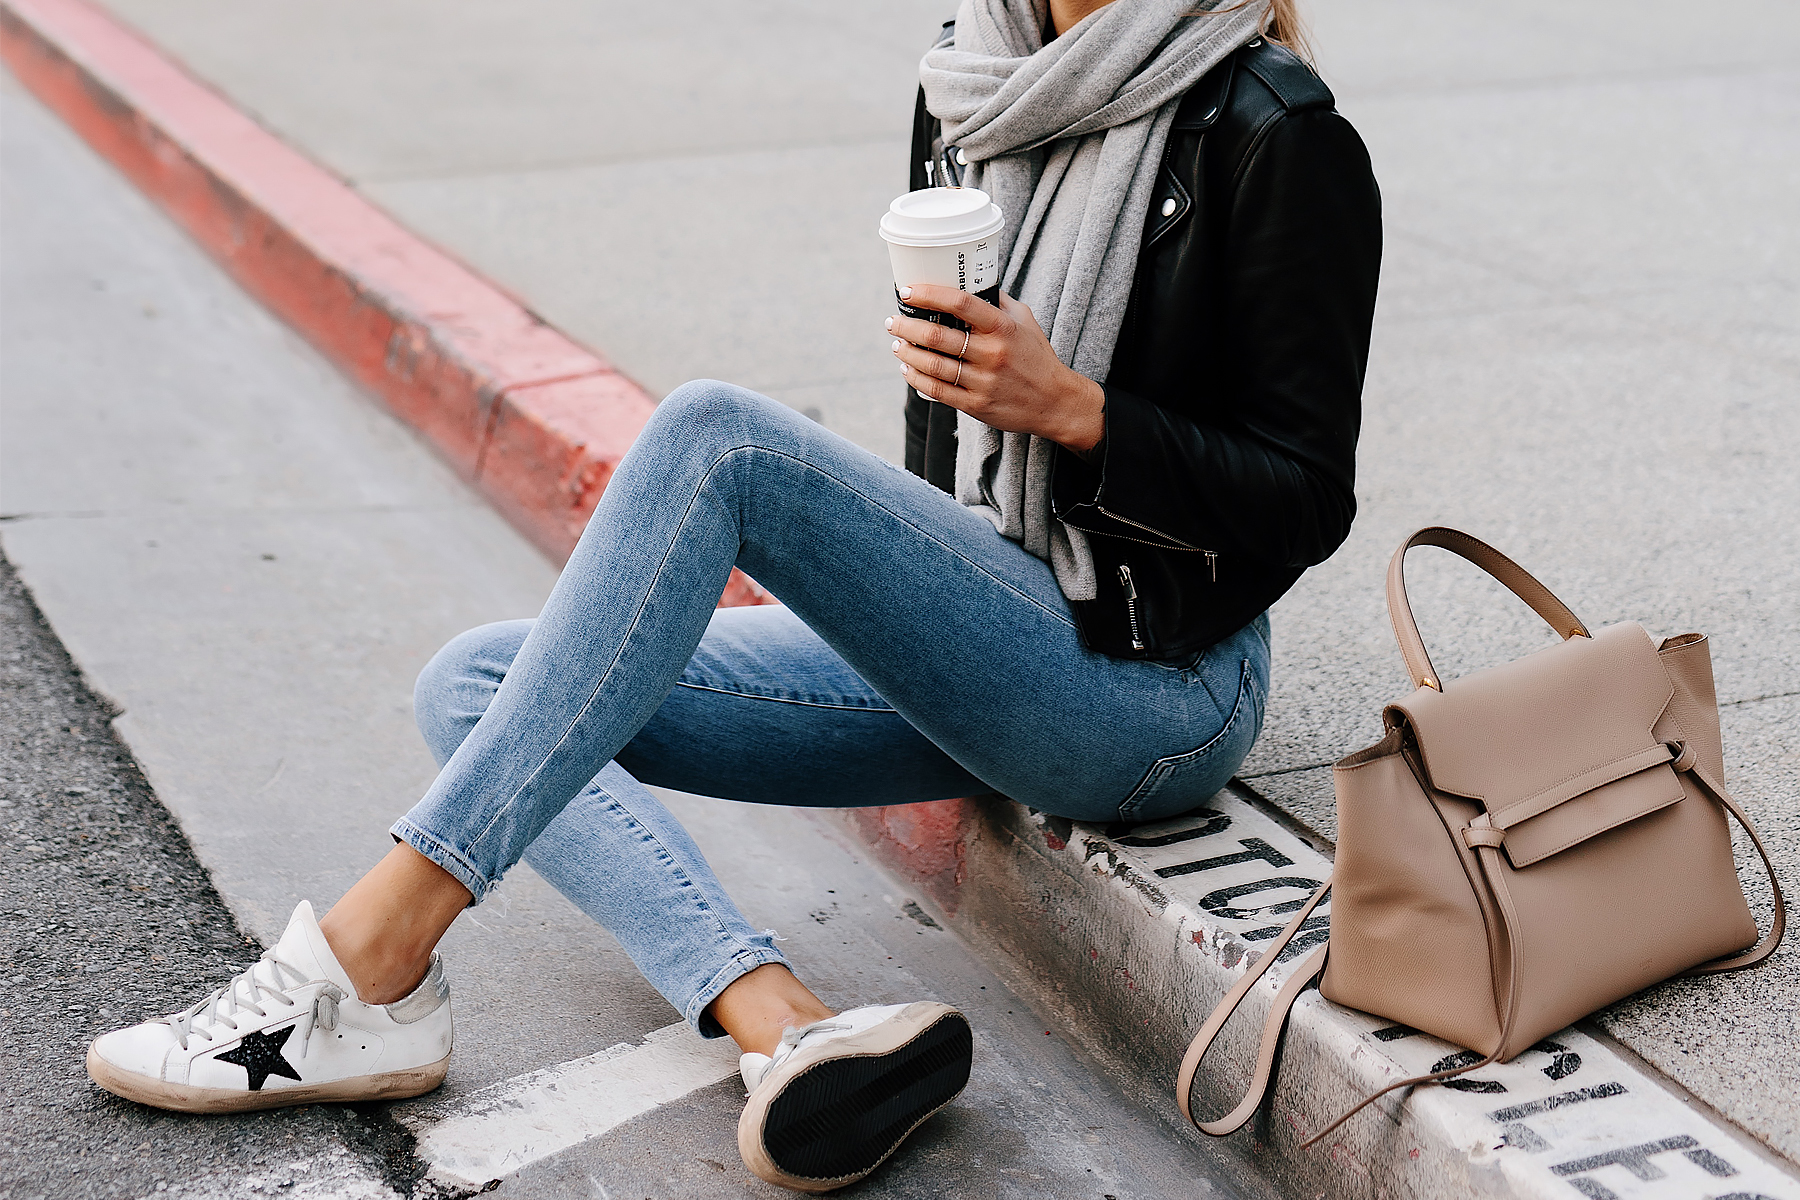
{"points": [[1066, 138]]}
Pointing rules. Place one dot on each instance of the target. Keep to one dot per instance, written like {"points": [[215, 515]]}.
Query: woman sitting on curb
{"points": [[1112, 477]]}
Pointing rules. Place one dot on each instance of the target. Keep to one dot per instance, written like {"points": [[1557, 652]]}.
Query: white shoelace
{"points": [[791, 1037], [222, 1007]]}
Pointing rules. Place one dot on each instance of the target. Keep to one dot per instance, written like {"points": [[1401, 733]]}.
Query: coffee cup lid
{"points": [[941, 217]]}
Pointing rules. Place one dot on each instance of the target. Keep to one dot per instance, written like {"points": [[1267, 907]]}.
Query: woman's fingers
{"points": [[977, 313], [938, 378], [974, 343], [955, 366], [957, 343], [941, 390], [1003, 370], [925, 383], [937, 366]]}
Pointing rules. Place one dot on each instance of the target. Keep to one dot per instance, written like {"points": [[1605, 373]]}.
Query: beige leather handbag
{"points": [[1524, 846]]}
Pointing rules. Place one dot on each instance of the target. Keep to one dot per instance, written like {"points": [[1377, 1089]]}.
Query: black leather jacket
{"points": [[1235, 394]]}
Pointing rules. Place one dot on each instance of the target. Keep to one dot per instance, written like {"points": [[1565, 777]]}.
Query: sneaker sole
{"points": [[177, 1097], [825, 1120]]}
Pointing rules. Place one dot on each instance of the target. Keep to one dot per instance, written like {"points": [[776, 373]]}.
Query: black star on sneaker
{"points": [[260, 1056]]}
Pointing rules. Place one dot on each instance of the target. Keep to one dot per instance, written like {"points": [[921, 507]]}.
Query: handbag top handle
{"points": [[1512, 576]]}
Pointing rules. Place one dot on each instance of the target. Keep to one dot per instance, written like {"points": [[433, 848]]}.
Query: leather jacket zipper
{"points": [[1212, 556], [1131, 613]]}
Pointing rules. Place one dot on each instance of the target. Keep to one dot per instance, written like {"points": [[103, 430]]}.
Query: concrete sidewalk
{"points": [[664, 183], [1587, 351]]}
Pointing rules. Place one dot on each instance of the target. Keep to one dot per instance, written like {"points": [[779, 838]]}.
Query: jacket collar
{"points": [[1205, 101]]}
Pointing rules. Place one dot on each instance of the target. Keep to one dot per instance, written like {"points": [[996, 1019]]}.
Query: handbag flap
{"points": [[1557, 746]]}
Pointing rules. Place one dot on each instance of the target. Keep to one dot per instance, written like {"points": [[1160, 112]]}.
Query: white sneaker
{"points": [[840, 1095], [289, 1030]]}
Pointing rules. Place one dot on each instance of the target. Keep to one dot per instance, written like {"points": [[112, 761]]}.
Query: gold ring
{"points": [[957, 382], [965, 349]]}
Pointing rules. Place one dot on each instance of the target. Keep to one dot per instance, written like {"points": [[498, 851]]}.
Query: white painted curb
{"points": [[1182, 906]]}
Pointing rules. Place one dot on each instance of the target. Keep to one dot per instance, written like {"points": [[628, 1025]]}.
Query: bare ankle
{"points": [[381, 974], [759, 1005], [385, 927]]}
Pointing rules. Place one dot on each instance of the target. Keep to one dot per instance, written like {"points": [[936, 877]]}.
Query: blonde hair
{"points": [[1281, 23], [1284, 27]]}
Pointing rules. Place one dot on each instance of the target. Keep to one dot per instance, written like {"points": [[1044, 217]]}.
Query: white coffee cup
{"points": [[945, 236]]}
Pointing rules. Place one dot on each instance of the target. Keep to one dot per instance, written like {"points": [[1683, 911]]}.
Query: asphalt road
{"points": [[106, 917]]}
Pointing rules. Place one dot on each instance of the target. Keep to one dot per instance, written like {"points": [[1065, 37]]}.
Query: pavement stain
{"points": [[106, 917]]}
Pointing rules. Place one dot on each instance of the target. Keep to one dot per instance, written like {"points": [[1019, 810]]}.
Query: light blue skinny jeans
{"points": [[917, 655]]}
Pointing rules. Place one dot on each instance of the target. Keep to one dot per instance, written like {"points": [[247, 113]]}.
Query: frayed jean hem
{"points": [[741, 964], [445, 856]]}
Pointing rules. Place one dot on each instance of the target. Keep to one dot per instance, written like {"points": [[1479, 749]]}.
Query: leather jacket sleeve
{"points": [[1274, 483]]}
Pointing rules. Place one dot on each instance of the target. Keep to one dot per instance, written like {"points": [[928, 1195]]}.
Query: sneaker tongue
{"points": [[304, 948]]}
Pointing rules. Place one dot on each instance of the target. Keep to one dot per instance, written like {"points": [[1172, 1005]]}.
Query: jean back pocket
{"points": [[1180, 782]]}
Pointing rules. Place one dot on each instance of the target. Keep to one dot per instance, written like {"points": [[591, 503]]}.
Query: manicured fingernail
{"points": [[896, 346], [906, 293], [889, 324], [905, 370]]}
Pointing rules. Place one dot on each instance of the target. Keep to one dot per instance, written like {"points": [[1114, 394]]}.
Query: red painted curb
{"points": [[535, 420], [927, 843]]}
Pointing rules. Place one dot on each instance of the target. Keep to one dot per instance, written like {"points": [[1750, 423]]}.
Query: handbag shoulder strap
{"points": [[1304, 973], [1765, 946], [1511, 575], [1308, 970]]}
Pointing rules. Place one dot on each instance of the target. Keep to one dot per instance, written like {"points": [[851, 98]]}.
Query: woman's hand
{"points": [[1008, 376]]}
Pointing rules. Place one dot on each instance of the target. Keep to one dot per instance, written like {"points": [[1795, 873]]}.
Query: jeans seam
{"points": [[868, 708], [618, 653], [671, 865], [1246, 684], [900, 517]]}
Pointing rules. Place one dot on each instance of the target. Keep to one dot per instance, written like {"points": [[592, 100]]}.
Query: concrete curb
{"points": [[527, 415], [1134, 934]]}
